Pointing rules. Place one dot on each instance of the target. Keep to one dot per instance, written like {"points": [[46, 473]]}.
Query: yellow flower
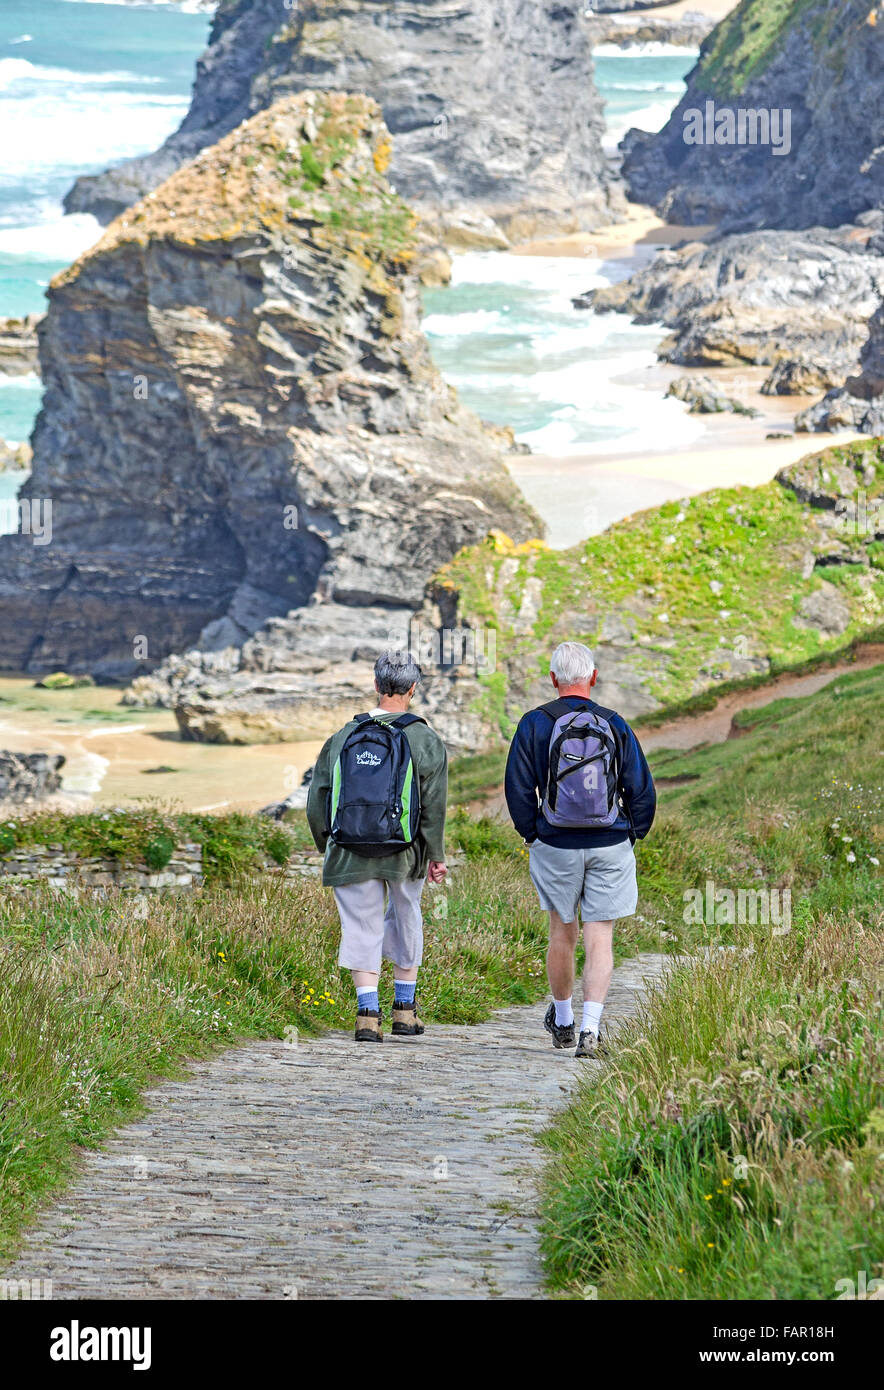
{"points": [[221, 955], [725, 1182], [710, 1245], [708, 1197]]}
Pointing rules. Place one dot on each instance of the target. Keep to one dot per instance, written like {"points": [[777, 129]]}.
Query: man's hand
{"points": [[437, 871]]}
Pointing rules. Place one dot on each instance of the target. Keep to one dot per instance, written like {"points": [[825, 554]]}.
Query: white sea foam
{"points": [[59, 238], [651, 118], [645, 87], [654, 48], [185, 6], [84, 772], [456, 325], [20, 70], [26, 379], [63, 126]]}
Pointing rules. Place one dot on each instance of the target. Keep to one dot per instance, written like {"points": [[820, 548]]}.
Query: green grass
{"points": [[691, 587], [476, 775], [98, 999], [746, 41], [745, 1105], [231, 844]]}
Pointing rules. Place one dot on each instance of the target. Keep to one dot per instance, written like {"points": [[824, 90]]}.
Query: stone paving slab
{"points": [[331, 1169]]}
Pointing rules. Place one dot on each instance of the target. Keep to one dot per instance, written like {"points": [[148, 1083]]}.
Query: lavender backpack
{"points": [[584, 769]]}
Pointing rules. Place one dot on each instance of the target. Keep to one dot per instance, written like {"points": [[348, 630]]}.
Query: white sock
{"points": [[592, 1017], [564, 1012]]}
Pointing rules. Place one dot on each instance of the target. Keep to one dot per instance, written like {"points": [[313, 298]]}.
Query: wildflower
{"points": [[710, 1245], [221, 956], [708, 1197]]}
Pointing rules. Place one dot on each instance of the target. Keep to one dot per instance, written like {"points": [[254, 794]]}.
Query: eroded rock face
{"points": [[27, 777], [822, 62], [799, 302], [18, 345], [629, 26], [859, 403], [241, 416], [492, 106]]}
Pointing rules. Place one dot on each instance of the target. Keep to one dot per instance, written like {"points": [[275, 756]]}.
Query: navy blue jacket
{"points": [[527, 771]]}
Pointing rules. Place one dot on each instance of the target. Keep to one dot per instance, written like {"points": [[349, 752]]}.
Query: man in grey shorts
{"points": [[580, 793], [379, 898]]}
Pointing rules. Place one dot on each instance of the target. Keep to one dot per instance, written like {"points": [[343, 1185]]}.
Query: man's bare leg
{"points": [[598, 939], [560, 956]]}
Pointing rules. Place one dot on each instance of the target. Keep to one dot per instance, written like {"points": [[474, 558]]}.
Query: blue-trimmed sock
{"points": [[404, 991], [367, 998]]}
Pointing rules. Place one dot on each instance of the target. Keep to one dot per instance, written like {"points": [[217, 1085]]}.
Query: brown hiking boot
{"points": [[406, 1023], [368, 1026]]}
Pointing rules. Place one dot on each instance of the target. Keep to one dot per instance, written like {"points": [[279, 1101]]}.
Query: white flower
{"points": [[873, 860], [851, 858], [662, 617]]}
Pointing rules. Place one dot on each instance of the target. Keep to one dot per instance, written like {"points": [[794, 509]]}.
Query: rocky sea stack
{"points": [[493, 108], [242, 421], [820, 63]]}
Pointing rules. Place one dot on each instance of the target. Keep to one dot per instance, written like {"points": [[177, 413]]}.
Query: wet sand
{"points": [[110, 748], [578, 495]]}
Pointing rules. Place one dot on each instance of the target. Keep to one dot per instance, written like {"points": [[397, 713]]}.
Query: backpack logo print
{"points": [[367, 759]]}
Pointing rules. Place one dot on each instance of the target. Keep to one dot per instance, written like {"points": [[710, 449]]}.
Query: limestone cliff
{"points": [[241, 416], [822, 61], [492, 106]]}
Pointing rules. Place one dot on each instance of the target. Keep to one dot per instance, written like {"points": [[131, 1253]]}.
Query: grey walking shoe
{"points": [[562, 1034], [591, 1046]]}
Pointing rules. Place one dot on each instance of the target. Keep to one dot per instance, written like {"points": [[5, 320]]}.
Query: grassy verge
{"points": [[732, 1147], [100, 998], [231, 844]]}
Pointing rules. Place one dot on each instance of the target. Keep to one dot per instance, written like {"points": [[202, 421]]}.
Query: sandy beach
{"points": [[114, 755], [579, 495]]}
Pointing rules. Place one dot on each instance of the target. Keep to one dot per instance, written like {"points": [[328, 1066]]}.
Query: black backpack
{"points": [[374, 800]]}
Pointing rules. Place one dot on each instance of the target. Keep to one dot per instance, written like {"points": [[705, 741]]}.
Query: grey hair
{"points": [[572, 663], [395, 672]]}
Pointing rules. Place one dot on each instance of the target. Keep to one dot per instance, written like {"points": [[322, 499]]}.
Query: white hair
{"points": [[572, 663]]}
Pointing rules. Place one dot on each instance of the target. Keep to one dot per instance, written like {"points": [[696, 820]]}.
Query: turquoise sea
{"points": [[86, 82]]}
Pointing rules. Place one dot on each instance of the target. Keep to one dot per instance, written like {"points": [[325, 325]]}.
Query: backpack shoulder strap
{"points": [[361, 718], [556, 708], [405, 719]]}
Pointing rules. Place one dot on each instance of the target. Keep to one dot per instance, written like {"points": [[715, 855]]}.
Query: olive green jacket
{"points": [[431, 767]]}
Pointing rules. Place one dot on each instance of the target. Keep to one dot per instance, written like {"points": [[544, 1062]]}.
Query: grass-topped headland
{"points": [[736, 583], [747, 40], [311, 167]]}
